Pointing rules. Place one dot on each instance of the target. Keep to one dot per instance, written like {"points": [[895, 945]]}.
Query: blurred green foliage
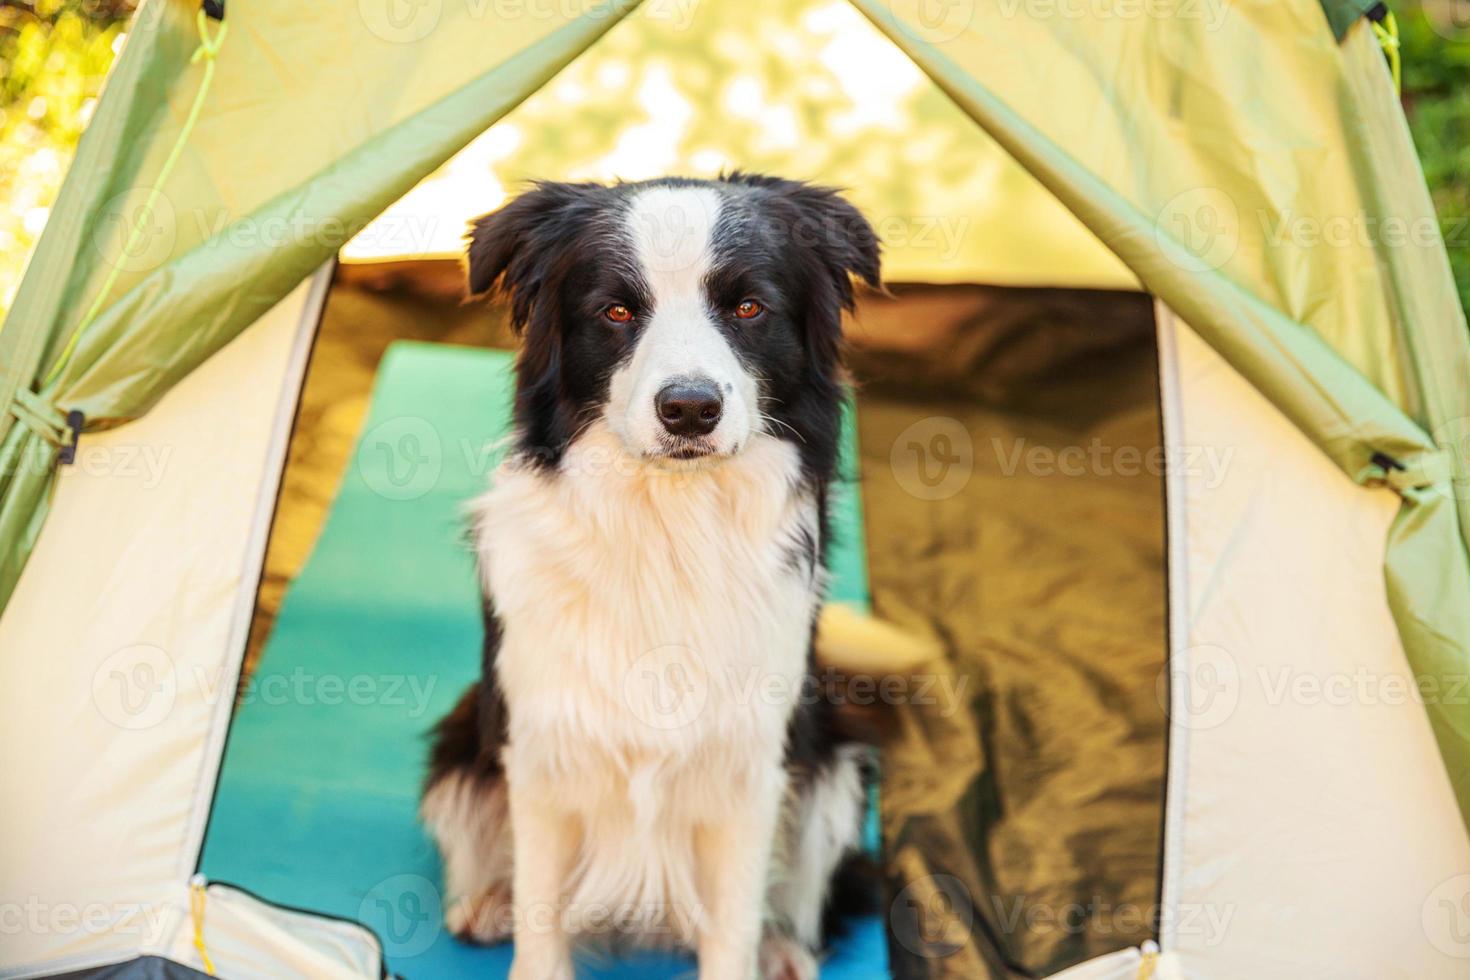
{"points": [[1435, 42], [54, 55]]}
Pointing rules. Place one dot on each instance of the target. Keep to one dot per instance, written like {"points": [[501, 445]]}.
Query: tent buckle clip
{"points": [[1386, 463], [74, 422]]}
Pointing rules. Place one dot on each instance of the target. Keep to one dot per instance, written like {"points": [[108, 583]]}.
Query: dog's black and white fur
{"points": [[651, 556]]}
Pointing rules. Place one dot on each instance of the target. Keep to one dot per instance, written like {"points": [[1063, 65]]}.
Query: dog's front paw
{"points": [[783, 958], [485, 918]]}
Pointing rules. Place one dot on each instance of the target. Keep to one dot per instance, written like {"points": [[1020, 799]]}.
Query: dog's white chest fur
{"points": [[656, 628]]}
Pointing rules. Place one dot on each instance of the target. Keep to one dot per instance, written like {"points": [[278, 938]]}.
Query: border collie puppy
{"points": [[643, 758]]}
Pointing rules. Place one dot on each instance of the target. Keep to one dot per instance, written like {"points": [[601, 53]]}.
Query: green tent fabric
{"points": [[1343, 14], [319, 117], [227, 248]]}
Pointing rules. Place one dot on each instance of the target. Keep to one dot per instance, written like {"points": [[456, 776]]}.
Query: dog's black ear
{"points": [[516, 246], [822, 220], [834, 244], [842, 237]]}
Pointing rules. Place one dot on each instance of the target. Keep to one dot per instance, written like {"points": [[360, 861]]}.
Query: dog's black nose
{"points": [[689, 408]]}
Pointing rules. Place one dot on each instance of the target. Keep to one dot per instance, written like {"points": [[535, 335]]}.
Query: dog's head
{"points": [[690, 316]]}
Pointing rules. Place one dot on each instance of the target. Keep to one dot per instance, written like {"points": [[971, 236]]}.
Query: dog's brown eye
{"points": [[747, 309], [618, 313]]}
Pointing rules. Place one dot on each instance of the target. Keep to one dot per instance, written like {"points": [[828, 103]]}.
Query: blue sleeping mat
{"points": [[377, 637]]}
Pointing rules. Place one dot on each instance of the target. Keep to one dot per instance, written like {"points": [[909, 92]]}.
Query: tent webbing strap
{"points": [[48, 422], [209, 46], [39, 415]]}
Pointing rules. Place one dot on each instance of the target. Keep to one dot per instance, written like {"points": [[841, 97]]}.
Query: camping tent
{"points": [[1242, 170]]}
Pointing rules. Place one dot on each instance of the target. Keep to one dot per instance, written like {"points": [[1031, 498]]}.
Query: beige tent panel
{"points": [[159, 531], [257, 939], [1303, 826]]}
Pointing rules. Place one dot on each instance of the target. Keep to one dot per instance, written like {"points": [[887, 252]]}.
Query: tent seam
{"points": [[1176, 773], [212, 758]]}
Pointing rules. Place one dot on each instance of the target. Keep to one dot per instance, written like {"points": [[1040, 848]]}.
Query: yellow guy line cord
{"points": [[196, 914], [1388, 38], [208, 48], [1148, 961]]}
